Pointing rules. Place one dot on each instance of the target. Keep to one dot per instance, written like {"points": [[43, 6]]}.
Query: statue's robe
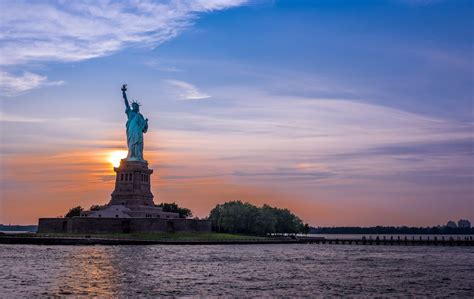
{"points": [[136, 126]]}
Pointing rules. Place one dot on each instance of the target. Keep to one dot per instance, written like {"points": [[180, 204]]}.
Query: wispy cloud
{"points": [[187, 91], [160, 66], [61, 31], [11, 85], [73, 31], [309, 134], [19, 118]]}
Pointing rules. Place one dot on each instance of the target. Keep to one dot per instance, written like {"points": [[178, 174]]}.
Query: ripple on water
{"points": [[250, 270]]}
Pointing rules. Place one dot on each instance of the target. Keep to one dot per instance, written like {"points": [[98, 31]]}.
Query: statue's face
{"points": [[135, 107]]}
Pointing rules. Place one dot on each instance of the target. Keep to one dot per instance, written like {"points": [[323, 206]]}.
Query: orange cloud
{"points": [[48, 184]]}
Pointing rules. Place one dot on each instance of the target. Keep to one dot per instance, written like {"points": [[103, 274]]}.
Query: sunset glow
{"points": [[115, 157], [341, 121]]}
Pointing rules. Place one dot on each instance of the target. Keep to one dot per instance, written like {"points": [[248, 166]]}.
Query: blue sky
{"points": [[348, 113]]}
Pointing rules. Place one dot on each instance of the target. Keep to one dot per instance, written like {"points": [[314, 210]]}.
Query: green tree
{"points": [[265, 222], [73, 212], [239, 217]]}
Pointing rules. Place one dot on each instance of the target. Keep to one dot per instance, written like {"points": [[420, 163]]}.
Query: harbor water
{"points": [[235, 270]]}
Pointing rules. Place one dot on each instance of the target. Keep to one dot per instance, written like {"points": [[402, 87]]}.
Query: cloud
{"points": [[160, 66], [437, 149], [58, 31], [313, 141], [79, 30], [11, 85], [187, 91], [18, 118]]}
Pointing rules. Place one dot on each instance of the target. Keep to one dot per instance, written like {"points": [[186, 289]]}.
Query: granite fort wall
{"points": [[52, 225], [86, 225], [169, 225]]}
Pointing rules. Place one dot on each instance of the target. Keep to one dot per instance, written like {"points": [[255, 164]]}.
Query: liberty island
{"points": [[131, 208]]}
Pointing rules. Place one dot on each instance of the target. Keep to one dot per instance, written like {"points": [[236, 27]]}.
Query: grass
{"points": [[179, 236]]}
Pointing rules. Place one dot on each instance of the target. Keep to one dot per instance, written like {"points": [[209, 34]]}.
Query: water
{"points": [[244, 270]]}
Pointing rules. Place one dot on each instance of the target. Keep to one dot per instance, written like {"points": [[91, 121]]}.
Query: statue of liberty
{"points": [[136, 126]]}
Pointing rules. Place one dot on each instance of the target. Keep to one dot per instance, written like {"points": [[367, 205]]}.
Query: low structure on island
{"points": [[131, 208]]}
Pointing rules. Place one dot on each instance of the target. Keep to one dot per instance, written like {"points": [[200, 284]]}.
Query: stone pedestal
{"points": [[132, 195], [132, 185]]}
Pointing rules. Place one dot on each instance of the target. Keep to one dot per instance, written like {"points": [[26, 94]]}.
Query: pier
{"points": [[398, 240]]}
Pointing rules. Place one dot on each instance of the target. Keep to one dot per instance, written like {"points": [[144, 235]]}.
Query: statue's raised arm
{"points": [[124, 89]]}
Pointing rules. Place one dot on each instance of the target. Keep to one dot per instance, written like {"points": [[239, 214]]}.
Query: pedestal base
{"points": [[132, 197], [132, 185]]}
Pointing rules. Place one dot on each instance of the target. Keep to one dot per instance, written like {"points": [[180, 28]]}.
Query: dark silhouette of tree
{"points": [[96, 207], [174, 208], [306, 229], [73, 212]]}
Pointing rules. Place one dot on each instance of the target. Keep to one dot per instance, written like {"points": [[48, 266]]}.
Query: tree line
{"points": [[236, 217], [244, 218]]}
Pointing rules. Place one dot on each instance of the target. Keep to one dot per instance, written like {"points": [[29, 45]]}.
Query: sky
{"points": [[345, 112]]}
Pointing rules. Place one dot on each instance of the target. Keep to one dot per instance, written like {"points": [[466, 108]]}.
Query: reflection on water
{"points": [[86, 270], [246, 270]]}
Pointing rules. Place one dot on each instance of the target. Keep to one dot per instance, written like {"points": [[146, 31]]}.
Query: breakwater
{"points": [[90, 240]]}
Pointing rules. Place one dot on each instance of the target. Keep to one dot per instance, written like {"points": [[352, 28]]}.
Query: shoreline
{"points": [[241, 240]]}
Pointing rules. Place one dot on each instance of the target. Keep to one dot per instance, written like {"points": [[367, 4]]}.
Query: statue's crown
{"points": [[135, 102]]}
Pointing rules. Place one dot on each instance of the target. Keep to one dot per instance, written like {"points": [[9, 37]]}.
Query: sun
{"points": [[115, 157]]}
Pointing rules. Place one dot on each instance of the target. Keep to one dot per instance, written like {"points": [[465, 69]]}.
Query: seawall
{"points": [[86, 225]]}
